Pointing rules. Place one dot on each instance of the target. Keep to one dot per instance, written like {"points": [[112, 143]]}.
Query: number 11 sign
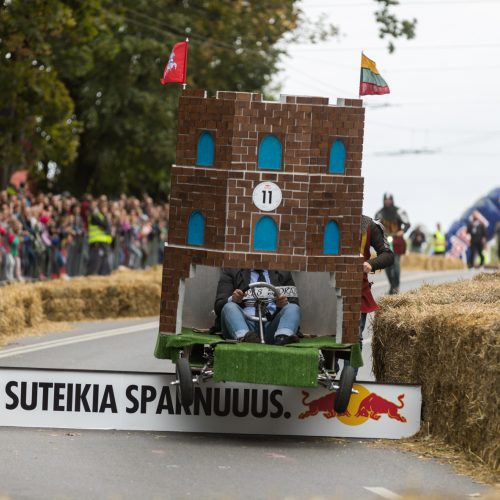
{"points": [[267, 196]]}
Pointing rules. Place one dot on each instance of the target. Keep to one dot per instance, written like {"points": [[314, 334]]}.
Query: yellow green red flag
{"points": [[371, 83]]}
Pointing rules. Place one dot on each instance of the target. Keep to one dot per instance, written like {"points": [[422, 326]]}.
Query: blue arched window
{"points": [[337, 158], [205, 152], [331, 241], [196, 229], [265, 237], [270, 153]]}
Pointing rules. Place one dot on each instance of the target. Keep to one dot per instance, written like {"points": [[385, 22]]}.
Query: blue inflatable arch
{"points": [[270, 153], [489, 208], [331, 240], [205, 150], [265, 237], [196, 229], [337, 158]]}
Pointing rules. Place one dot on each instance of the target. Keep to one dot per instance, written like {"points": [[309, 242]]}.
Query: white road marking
{"points": [[382, 492], [86, 337]]}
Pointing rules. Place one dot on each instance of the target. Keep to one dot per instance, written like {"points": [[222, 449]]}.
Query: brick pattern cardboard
{"points": [[307, 127]]}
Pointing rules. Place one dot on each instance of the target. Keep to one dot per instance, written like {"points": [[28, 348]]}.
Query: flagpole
{"points": [[360, 75], [185, 65]]}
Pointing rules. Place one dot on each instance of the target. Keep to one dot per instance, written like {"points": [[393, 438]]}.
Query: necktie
{"points": [[261, 276], [262, 279]]}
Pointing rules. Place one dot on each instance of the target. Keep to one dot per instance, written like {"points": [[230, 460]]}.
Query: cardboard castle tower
{"points": [[273, 185]]}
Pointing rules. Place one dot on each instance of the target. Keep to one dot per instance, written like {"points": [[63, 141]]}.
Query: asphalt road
{"points": [[44, 463]]}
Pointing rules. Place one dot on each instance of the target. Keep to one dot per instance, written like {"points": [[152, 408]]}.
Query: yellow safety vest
{"points": [[97, 234], [439, 242]]}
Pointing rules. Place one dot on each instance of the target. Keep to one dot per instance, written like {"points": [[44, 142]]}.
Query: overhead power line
{"points": [[323, 87], [447, 148], [422, 3], [165, 29], [409, 47], [178, 31], [427, 129], [318, 84], [405, 152], [387, 69], [162, 26]]}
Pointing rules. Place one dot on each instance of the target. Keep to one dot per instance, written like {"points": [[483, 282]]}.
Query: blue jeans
{"points": [[393, 273], [235, 324]]}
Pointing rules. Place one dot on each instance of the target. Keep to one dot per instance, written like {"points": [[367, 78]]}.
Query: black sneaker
{"points": [[285, 339], [250, 337]]}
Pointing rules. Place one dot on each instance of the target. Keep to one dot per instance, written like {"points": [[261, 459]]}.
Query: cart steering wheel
{"points": [[259, 301]]}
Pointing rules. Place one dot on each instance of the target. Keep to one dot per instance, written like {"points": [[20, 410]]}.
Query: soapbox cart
{"points": [[312, 361]]}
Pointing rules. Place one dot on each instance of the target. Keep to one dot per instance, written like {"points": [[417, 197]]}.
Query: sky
{"points": [[445, 99]]}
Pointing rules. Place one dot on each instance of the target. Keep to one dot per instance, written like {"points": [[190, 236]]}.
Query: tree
{"points": [[390, 26], [37, 113], [128, 139], [82, 79]]}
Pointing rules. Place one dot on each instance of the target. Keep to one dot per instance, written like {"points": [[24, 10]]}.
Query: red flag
{"points": [[175, 70]]}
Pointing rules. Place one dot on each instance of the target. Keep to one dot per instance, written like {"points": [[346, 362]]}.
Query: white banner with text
{"points": [[146, 401]]}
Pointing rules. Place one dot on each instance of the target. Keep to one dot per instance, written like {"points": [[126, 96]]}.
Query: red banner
{"points": [[175, 70]]}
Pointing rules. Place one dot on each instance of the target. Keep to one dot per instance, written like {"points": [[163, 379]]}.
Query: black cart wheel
{"points": [[345, 387], [185, 388]]}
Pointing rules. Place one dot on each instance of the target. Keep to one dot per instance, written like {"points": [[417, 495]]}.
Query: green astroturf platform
{"points": [[292, 365], [266, 364]]}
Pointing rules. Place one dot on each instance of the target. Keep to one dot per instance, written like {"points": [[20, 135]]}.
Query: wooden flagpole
{"points": [[185, 65]]}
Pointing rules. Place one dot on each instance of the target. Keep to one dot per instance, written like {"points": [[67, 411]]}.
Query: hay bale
{"points": [[32, 307], [123, 294], [140, 299], [422, 262], [20, 308], [447, 339]]}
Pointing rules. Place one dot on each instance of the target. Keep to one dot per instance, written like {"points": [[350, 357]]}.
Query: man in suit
{"points": [[232, 302]]}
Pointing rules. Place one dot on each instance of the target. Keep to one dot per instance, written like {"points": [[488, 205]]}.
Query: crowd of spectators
{"points": [[45, 235]]}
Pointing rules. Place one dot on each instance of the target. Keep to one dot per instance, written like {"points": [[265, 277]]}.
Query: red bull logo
{"points": [[373, 406], [323, 404], [362, 406]]}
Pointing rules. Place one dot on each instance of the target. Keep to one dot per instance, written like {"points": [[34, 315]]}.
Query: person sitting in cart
{"points": [[231, 304]]}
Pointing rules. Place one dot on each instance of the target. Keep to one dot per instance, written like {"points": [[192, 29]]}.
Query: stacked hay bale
{"points": [[123, 294], [20, 308], [447, 338], [421, 262]]}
